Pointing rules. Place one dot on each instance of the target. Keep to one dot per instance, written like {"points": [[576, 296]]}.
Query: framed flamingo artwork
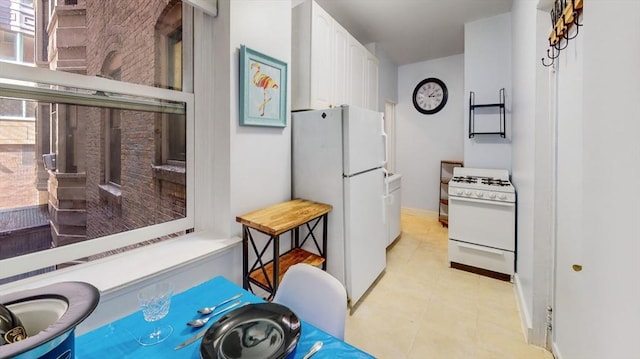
{"points": [[263, 89]]}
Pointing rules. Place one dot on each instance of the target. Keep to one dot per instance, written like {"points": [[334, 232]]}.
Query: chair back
{"points": [[315, 297]]}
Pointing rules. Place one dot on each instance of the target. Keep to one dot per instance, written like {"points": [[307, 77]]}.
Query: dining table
{"points": [[118, 338]]}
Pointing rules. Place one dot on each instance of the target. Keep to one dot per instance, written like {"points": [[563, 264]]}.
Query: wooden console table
{"points": [[274, 221]]}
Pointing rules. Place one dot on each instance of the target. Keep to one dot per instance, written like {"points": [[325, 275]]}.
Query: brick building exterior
{"points": [[17, 117]]}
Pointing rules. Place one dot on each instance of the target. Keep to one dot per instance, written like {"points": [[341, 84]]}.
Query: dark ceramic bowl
{"points": [[254, 331], [50, 315]]}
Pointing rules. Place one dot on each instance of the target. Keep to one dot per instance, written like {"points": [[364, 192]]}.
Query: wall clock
{"points": [[430, 96]]}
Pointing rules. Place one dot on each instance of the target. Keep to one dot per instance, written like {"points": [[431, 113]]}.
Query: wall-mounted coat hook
{"points": [[566, 34], [565, 15], [558, 46], [552, 55], [549, 64]]}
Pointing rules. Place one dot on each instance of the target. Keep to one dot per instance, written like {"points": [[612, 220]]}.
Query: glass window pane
{"points": [[114, 158], [82, 205], [8, 46], [90, 162], [177, 138], [78, 36]]}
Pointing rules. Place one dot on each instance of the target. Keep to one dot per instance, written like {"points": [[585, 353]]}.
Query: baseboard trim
{"points": [[555, 351], [525, 320], [420, 212]]}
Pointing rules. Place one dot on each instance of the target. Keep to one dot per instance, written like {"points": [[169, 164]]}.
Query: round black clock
{"points": [[430, 96]]}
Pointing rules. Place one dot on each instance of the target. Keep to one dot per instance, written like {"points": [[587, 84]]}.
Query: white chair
{"points": [[315, 297]]}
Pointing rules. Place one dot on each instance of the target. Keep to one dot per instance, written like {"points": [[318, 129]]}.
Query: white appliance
{"points": [[393, 182], [338, 156], [482, 221]]}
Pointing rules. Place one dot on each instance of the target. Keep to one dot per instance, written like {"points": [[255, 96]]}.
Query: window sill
{"points": [[170, 173], [110, 193], [133, 266]]}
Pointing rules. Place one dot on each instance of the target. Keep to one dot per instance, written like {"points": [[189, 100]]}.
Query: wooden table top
{"points": [[282, 217]]}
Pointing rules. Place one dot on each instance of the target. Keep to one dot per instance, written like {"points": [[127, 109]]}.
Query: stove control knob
{"points": [[502, 196], [467, 193], [459, 192], [492, 195], [479, 194]]}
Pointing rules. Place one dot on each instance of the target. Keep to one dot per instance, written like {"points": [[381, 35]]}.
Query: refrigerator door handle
{"points": [[386, 150], [385, 199], [386, 182]]}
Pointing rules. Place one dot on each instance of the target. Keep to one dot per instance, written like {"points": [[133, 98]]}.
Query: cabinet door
{"points": [[358, 67], [341, 82], [321, 58], [371, 85]]}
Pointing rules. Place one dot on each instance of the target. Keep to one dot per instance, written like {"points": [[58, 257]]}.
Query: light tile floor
{"points": [[420, 308]]}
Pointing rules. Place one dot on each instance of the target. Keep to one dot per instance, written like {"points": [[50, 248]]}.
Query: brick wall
{"points": [[17, 175], [126, 27]]}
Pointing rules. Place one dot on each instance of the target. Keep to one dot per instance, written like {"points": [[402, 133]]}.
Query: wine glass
{"points": [[154, 301]]}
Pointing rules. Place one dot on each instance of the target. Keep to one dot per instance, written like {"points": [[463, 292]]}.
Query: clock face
{"points": [[430, 96]]}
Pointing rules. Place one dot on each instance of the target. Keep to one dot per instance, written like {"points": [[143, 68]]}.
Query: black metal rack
{"points": [[472, 112]]}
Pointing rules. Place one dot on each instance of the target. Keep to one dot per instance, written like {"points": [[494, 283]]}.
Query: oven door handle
{"points": [[480, 248], [483, 201]]}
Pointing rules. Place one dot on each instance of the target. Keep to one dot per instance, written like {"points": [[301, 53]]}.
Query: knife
{"points": [[201, 334]]}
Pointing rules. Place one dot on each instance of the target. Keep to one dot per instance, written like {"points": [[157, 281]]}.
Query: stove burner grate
{"points": [[495, 182], [465, 179]]}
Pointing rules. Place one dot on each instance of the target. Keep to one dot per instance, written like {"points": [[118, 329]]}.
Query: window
{"points": [[168, 32], [96, 111], [112, 69]]}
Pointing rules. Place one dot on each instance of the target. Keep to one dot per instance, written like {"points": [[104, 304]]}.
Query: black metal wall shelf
{"points": [[472, 113]]}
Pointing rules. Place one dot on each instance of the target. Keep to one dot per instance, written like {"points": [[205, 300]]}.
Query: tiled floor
{"points": [[420, 308]]}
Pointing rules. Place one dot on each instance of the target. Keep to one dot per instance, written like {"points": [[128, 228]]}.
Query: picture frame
{"points": [[263, 89]]}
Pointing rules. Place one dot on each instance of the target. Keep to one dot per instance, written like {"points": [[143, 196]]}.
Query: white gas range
{"points": [[482, 215]]}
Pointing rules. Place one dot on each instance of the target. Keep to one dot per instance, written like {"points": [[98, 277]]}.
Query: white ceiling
{"points": [[410, 31]]}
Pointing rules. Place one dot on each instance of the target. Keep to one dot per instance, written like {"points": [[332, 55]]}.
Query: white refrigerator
{"points": [[338, 156]]}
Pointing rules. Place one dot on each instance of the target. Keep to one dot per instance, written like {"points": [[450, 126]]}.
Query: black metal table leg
{"points": [[245, 257]]}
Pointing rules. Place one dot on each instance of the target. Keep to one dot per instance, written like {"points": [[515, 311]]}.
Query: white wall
{"points": [[422, 141], [487, 69], [260, 157], [523, 137], [533, 165]]}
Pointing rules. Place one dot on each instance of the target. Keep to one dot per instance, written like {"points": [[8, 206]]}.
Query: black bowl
{"points": [[254, 331]]}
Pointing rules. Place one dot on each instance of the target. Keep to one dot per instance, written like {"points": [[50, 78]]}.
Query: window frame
{"points": [[32, 261], [112, 69], [166, 43]]}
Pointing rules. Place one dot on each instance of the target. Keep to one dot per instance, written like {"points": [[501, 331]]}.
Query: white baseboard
{"points": [[555, 350], [420, 212], [525, 320]]}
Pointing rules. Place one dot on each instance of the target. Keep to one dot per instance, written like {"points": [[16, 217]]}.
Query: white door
{"points": [[571, 302], [365, 236], [341, 84], [321, 57], [358, 72], [486, 223], [316, 171], [371, 83], [364, 140]]}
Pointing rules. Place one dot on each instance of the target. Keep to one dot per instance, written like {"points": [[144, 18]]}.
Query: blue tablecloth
{"points": [[117, 339]]}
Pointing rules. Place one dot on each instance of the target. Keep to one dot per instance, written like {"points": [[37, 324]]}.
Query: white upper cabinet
{"points": [[322, 55], [371, 87], [341, 86], [329, 67], [357, 73]]}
